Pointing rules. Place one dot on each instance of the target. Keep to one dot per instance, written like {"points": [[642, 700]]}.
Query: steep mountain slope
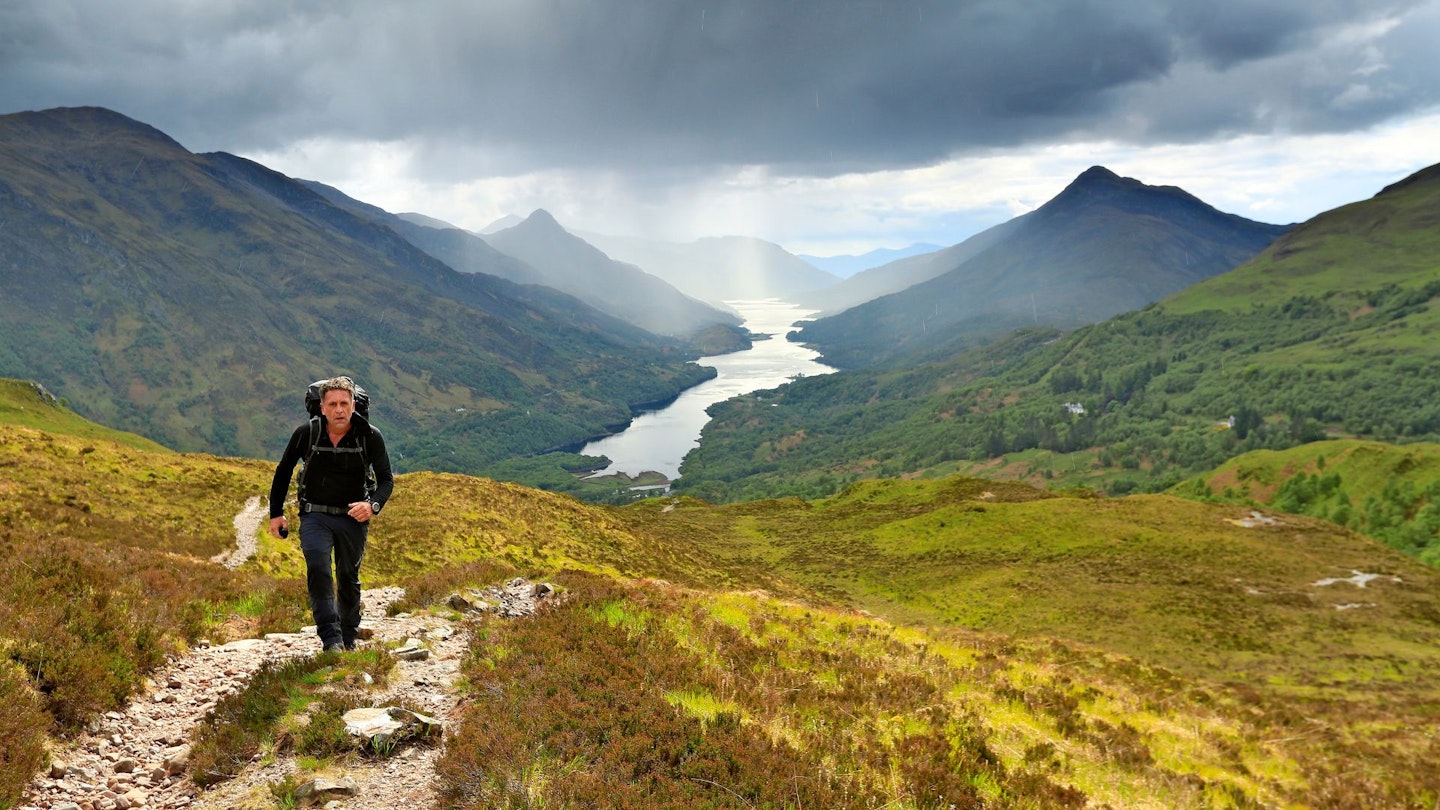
{"points": [[895, 276], [570, 264], [189, 297], [719, 269], [459, 249], [1330, 331], [711, 333], [1102, 246]]}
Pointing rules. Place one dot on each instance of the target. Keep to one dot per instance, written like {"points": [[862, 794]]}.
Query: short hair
{"points": [[338, 384]]}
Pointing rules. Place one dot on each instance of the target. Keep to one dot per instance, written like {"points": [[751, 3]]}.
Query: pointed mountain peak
{"points": [[1097, 174], [541, 217]]}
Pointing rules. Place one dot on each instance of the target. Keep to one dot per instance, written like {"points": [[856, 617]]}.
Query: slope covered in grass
{"points": [[1389, 492], [913, 643]]}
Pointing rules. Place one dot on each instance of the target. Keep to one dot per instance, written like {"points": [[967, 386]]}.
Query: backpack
{"points": [[312, 407]]}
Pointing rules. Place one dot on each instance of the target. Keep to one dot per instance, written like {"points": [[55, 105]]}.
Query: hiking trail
{"points": [[138, 757]]}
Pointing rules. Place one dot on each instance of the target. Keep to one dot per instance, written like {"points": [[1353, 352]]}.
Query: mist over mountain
{"points": [[189, 298], [845, 266], [1104, 245], [427, 221], [572, 265], [718, 269]]}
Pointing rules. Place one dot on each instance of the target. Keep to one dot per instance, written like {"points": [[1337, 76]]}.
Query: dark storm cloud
{"points": [[810, 86]]}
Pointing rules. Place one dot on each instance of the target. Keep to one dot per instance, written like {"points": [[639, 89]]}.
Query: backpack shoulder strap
{"points": [[309, 454]]}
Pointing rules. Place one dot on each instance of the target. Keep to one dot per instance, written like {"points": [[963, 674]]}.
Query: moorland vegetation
{"points": [[905, 643]]}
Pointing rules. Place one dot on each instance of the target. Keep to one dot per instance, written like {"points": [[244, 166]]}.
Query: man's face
{"points": [[337, 406]]}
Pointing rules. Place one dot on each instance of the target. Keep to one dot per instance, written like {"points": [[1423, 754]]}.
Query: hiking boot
{"points": [[334, 646], [349, 646]]}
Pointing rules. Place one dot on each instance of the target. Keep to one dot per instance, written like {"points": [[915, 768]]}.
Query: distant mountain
{"points": [[507, 221], [846, 266], [897, 275], [1327, 333], [189, 298], [427, 221], [572, 265], [459, 249], [1104, 245], [716, 269]]}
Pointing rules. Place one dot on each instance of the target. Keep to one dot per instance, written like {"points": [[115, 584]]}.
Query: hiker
{"points": [[338, 498]]}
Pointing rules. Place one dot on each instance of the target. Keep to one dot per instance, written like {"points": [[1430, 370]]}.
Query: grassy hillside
{"points": [[1307, 341], [1388, 492], [912, 643], [27, 404]]}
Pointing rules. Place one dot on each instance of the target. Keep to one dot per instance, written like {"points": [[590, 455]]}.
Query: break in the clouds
{"points": [[652, 94]]}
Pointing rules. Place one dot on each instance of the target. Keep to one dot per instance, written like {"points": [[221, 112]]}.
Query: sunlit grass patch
{"points": [[615, 613], [700, 703]]}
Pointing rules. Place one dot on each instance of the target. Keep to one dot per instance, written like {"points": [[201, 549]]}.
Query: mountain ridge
{"points": [[1102, 246], [570, 264], [182, 296]]}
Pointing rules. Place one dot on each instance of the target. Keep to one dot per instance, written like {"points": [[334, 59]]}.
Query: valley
{"points": [[1126, 502]]}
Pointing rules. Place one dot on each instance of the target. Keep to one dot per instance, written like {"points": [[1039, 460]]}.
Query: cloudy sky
{"points": [[827, 126]]}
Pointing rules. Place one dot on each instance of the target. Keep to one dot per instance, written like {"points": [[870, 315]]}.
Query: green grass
{"points": [[908, 642], [1389, 492]]}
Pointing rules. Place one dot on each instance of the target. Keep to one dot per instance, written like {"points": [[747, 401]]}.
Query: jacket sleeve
{"points": [[280, 486], [380, 462]]}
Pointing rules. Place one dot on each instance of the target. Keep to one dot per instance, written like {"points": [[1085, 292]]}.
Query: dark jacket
{"points": [[334, 479]]}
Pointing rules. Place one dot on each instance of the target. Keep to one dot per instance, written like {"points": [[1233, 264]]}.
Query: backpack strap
{"points": [[364, 450], [309, 455]]}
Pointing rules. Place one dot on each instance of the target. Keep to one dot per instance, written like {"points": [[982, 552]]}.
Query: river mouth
{"points": [[648, 452]]}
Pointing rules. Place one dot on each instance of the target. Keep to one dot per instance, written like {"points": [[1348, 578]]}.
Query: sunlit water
{"points": [[657, 441]]}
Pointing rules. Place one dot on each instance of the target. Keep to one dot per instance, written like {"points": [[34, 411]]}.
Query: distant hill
{"points": [[459, 249], [1328, 332], [572, 265], [507, 221], [847, 265], [1104, 245], [189, 298], [897, 275], [1386, 491], [719, 269], [427, 221], [569, 266]]}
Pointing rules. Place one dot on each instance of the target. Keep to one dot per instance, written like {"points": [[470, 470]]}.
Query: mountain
{"points": [[719, 269], [1102, 246], [459, 249], [979, 643], [572, 265], [507, 221], [618, 295], [189, 298], [1325, 334], [847, 265], [427, 221], [897, 275]]}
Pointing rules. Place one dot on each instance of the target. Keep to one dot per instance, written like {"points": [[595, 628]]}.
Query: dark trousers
{"points": [[334, 601]]}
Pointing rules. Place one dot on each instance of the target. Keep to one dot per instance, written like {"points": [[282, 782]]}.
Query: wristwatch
{"points": [[374, 507]]}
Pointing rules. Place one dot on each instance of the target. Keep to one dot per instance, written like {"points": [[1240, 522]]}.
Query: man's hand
{"points": [[360, 510], [277, 525]]}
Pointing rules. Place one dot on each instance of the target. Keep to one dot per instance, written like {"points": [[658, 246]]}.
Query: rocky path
{"points": [[138, 758]]}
